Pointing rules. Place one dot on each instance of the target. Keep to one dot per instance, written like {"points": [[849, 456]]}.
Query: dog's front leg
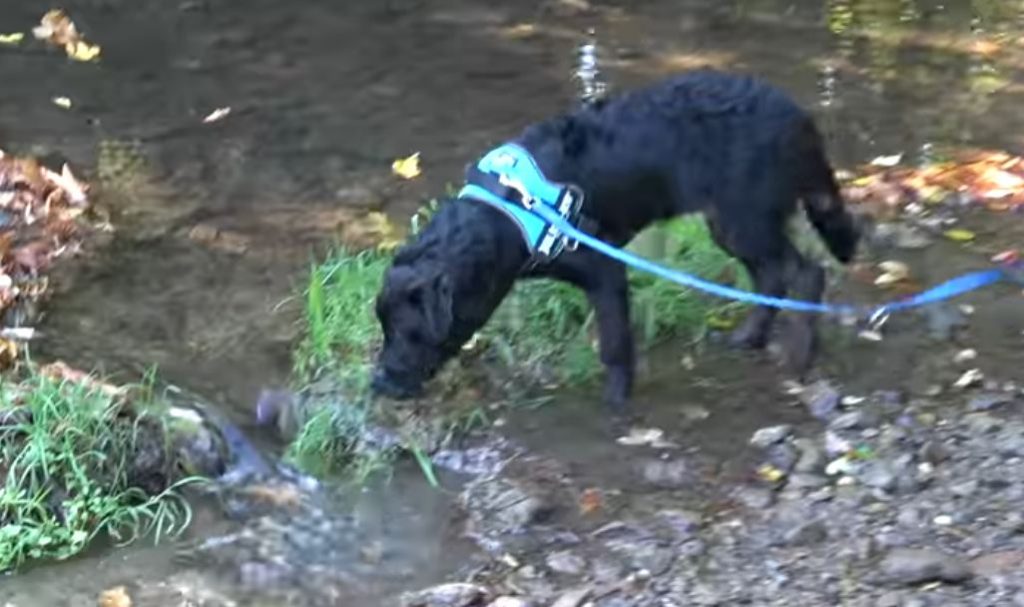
{"points": [[605, 283]]}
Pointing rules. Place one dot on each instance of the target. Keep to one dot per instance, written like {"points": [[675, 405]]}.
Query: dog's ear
{"points": [[437, 303]]}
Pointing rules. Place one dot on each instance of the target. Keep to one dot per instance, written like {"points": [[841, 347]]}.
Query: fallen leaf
{"points": [[770, 473], [520, 30], [969, 378], [959, 235], [407, 168], [74, 189], [591, 501], [217, 114], [59, 30], [115, 597], [1009, 256], [887, 161], [638, 437], [892, 273], [8, 352], [82, 51], [63, 102], [12, 39]]}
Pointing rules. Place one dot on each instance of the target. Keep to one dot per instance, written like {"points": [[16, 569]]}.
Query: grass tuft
{"points": [[70, 472]]}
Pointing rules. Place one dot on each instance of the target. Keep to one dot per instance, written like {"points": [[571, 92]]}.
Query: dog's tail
{"points": [[822, 200]]}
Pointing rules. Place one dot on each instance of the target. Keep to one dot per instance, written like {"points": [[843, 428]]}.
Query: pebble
{"points": [[772, 435], [670, 474], [812, 459], [909, 566], [933, 452], [821, 399], [509, 601], [566, 563], [849, 421], [988, 401], [878, 475], [806, 534], [755, 498]]}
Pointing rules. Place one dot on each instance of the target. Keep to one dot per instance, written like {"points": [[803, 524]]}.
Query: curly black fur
{"points": [[731, 147]]}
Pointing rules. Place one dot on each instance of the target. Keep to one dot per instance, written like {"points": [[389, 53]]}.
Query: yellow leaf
{"points": [[407, 168], [959, 235], [770, 473], [82, 51], [63, 102], [12, 39]]}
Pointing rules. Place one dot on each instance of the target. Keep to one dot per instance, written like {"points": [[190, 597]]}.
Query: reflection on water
{"points": [[325, 94]]}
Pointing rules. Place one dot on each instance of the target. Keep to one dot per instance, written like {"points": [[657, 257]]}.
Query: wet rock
{"points": [[772, 435], [447, 595], [853, 420], [821, 399], [755, 498], [502, 506], [933, 452], [566, 563], [988, 400], [997, 563], [783, 457], [890, 599], [510, 601], [812, 459], [878, 475], [802, 480], [666, 474], [806, 534], [651, 555], [909, 566], [682, 523], [259, 576], [574, 598], [964, 489]]}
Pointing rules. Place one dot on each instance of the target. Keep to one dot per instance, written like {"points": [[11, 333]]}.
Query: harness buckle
{"points": [[525, 199]]}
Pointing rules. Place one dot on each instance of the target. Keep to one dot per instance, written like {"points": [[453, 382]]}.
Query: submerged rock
{"points": [[908, 566], [447, 595]]}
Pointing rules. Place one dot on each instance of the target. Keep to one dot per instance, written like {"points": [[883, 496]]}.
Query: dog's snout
{"points": [[383, 384]]}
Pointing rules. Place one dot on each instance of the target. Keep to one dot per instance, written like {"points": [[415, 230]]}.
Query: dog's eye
{"points": [[415, 337]]}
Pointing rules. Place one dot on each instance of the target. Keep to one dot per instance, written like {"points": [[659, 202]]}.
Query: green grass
{"points": [[542, 335], [66, 471]]}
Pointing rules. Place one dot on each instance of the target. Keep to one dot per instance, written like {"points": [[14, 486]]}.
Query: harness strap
{"points": [[508, 179]]}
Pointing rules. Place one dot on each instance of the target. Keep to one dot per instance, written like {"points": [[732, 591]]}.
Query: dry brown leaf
{"points": [[591, 501], [115, 597], [59, 30]]}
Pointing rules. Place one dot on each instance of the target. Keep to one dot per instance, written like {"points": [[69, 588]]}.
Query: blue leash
{"points": [[947, 290], [512, 169]]}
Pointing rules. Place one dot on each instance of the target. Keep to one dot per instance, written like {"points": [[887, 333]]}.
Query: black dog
{"points": [[733, 148]]}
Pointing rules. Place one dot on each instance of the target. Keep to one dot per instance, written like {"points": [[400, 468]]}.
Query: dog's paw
{"points": [[751, 335], [799, 348]]}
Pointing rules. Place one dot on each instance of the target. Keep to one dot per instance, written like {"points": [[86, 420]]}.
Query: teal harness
{"points": [[508, 179]]}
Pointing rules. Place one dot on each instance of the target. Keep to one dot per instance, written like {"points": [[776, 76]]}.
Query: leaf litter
{"points": [[43, 216], [990, 178], [57, 29]]}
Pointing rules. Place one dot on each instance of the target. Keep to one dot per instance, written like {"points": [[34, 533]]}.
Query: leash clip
{"points": [[878, 318]]}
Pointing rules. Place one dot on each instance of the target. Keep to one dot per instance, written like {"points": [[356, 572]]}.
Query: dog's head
{"points": [[415, 310]]}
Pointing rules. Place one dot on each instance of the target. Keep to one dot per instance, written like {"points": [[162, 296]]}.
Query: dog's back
{"points": [[726, 145]]}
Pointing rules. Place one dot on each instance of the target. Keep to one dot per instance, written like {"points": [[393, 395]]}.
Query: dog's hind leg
{"points": [[607, 288], [764, 261], [806, 281]]}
